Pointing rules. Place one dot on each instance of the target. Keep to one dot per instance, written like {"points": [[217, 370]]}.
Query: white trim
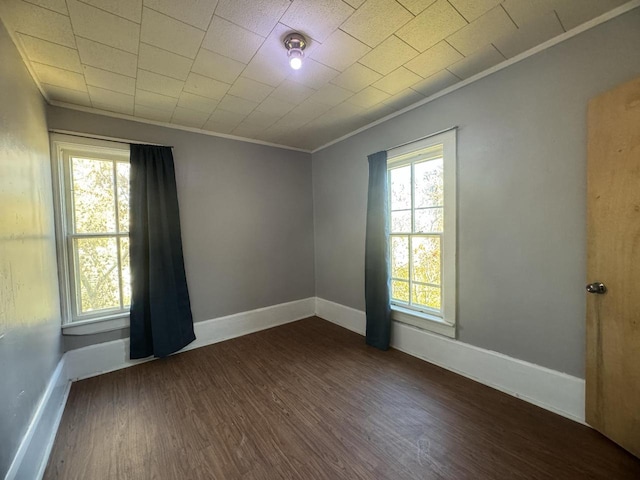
{"points": [[605, 17], [100, 325], [549, 389], [31, 458], [433, 147], [106, 357], [174, 126]]}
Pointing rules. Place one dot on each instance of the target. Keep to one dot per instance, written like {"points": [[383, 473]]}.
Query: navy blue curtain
{"points": [[161, 320], [376, 267]]}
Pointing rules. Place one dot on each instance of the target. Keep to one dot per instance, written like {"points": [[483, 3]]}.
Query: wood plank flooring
{"points": [[309, 400]]}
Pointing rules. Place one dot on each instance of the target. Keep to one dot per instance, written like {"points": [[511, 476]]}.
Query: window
{"points": [[92, 191], [422, 240]]}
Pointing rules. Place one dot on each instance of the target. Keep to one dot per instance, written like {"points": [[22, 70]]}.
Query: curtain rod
{"points": [[102, 137], [423, 138]]}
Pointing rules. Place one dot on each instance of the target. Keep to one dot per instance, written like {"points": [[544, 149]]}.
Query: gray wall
{"points": [[246, 213], [30, 342], [521, 196]]}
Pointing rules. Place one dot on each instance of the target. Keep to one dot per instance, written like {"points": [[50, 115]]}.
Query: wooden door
{"points": [[613, 246]]}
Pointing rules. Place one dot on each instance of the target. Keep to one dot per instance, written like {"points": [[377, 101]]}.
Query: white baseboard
{"points": [[554, 391], [31, 458], [109, 356]]}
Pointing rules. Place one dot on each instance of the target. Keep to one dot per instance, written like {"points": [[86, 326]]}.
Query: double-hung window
{"points": [[422, 240], [91, 187]]}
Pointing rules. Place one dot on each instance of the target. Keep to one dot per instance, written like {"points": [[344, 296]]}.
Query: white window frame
{"points": [[61, 147], [443, 322]]}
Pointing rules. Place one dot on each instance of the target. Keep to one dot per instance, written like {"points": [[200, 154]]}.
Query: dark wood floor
{"points": [[309, 400]]}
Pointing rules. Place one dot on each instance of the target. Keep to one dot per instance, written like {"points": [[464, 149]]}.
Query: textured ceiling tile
{"points": [[472, 9], [223, 121], [403, 99], [340, 51], [434, 24], [389, 55], [331, 95], [170, 34], [481, 32], [109, 80], [316, 19], [273, 106], [57, 76], [313, 74], [250, 89], [111, 101], [368, 97], [214, 65], [356, 77], [529, 35], [205, 86], [107, 58], [154, 82], [59, 6], [150, 113], [574, 13], [42, 51], [248, 130], [223, 38], [194, 12], [524, 11], [155, 100], [259, 16], [346, 110], [163, 62], [416, 6], [196, 102], [188, 117], [237, 105], [376, 20], [95, 24], [397, 81], [67, 95], [261, 119], [433, 60], [41, 23], [482, 59], [262, 69], [292, 92], [435, 83], [130, 9], [302, 114]]}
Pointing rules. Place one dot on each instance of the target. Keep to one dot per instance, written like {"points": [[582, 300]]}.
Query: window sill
{"points": [[90, 327], [423, 320]]}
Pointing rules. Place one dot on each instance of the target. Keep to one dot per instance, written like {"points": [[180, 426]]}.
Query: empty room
{"points": [[319, 239]]}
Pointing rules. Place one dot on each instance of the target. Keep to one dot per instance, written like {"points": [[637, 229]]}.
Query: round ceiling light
{"points": [[295, 44]]}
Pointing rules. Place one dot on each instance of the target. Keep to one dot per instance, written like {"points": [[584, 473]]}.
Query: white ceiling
{"points": [[220, 65]]}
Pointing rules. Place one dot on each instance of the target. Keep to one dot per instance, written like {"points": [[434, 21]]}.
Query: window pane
{"points": [[93, 196], [400, 291], [401, 222], [426, 259], [429, 220], [401, 188], [400, 257], [429, 183], [426, 296], [122, 179], [126, 272], [97, 274]]}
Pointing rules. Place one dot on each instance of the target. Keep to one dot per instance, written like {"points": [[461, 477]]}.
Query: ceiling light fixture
{"points": [[295, 44]]}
